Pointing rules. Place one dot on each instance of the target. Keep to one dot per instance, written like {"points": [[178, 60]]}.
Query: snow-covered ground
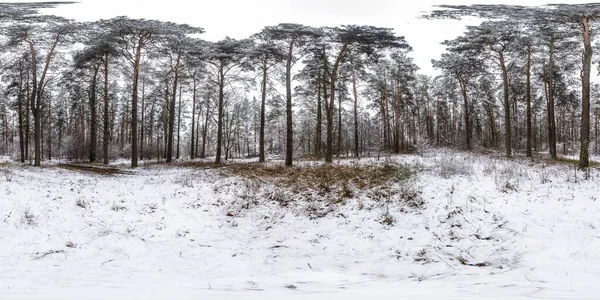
{"points": [[489, 228]]}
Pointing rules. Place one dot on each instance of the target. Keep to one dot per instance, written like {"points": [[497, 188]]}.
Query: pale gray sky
{"points": [[241, 18]]}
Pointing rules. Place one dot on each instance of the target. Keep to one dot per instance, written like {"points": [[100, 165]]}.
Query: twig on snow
{"points": [[528, 279], [40, 255], [453, 268]]}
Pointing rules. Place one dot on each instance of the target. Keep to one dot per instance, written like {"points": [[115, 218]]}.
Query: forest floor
{"points": [[444, 224]]}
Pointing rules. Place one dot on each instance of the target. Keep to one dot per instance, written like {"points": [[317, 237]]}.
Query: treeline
{"points": [[152, 90], [537, 61]]}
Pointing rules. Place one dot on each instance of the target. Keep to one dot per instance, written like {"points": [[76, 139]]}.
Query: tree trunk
{"points": [[106, 118], [192, 148], [122, 131], [172, 111], [289, 146], [134, 102], [35, 107], [468, 131], [49, 128], [596, 112], [143, 124], [93, 115], [329, 150], [584, 160], [428, 117], [20, 113], [220, 115], [36, 97], [339, 136], [397, 135], [205, 129], [318, 128], [263, 99], [384, 117], [27, 118], [507, 128], [550, 103], [528, 98], [356, 142], [535, 138], [179, 122]]}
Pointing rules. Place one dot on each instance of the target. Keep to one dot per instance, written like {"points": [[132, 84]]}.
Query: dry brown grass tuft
{"points": [[323, 177], [93, 169], [319, 185], [199, 164], [575, 162]]}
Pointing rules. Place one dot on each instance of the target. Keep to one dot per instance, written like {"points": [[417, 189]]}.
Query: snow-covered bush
{"points": [[450, 164], [507, 177], [8, 174], [386, 218], [423, 146], [411, 196], [185, 181], [29, 218], [118, 207], [81, 203]]}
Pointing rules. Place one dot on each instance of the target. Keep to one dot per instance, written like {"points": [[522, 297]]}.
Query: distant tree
{"points": [[580, 15], [100, 45], [16, 76], [196, 70], [367, 40], [423, 87], [267, 54], [176, 47], [35, 35], [403, 76], [463, 66], [315, 76], [223, 57], [294, 35], [527, 43], [497, 38], [134, 37]]}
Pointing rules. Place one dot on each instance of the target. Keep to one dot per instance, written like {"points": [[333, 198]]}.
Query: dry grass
{"points": [[323, 177], [93, 169], [575, 162], [199, 164], [318, 189]]}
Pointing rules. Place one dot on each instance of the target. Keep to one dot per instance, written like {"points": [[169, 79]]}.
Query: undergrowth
{"points": [[324, 177], [318, 189]]}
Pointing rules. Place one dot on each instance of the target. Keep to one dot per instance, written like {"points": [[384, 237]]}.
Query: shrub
{"points": [[8, 174], [423, 146], [184, 181], [387, 218], [81, 203], [411, 197], [450, 165], [118, 207], [509, 186], [29, 218]]}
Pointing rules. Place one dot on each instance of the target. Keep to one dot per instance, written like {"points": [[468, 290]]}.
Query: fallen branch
{"points": [[40, 255], [444, 261]]}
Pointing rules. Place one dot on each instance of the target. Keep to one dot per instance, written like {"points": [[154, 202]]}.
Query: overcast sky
{"points": [[241, 18]]}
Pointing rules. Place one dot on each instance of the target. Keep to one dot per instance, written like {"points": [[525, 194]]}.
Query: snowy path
{"points": [[165, 234]]}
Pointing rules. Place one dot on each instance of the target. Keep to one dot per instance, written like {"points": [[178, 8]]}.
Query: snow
{"points": [[521, 229]]}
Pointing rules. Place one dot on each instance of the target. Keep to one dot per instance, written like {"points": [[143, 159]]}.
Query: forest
{"points": [[151, 90], [139, 160]]}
